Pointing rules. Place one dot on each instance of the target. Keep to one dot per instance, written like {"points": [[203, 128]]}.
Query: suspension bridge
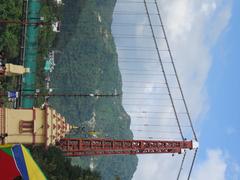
{"points": [[152, 92]]}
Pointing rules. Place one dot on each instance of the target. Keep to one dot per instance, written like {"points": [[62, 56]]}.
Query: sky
{"points": [[203, 36], [223, 116]]}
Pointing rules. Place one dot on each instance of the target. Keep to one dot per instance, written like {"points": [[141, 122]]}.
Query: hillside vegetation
{"points": [[52, 162], [56, 167], [87, 63]]}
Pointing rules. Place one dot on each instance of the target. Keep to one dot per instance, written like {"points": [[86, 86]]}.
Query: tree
{"points": [[9, 33], [57, 167]]}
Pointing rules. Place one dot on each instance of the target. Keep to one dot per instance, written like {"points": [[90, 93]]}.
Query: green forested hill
{"points": [[9, 33], [56, 167], [87, 63]]}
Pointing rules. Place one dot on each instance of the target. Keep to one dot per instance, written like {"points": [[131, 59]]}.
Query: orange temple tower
{"points": [[32, 126]]}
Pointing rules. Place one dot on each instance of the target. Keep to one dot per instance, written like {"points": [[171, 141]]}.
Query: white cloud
{"points": [[193, 28], [222, 18], [235, 174], [151, 168], [214, 167], [218, 165], [206, 8]]}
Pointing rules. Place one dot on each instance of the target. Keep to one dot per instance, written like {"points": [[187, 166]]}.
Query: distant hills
{"points": [[87, 62]]}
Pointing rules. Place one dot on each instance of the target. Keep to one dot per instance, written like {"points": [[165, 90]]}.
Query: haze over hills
{"points": [[88, 63]]}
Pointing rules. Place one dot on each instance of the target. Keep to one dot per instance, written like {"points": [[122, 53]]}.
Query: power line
{"points": [[133, 37], [117, 36], [142, 93], [160, 60], [65, 95], [121, 24], [151, 98], [132, 14], [146, 87], [194, 158], [155, 112], [148, 105], [147, 74], [134, 24], [24, 22], [153, 117], [173, 64], [151, 137], [158, 125], [181, 166], [156, 131], [136, 2], [134, 81], [135, 48], [138, 70]]}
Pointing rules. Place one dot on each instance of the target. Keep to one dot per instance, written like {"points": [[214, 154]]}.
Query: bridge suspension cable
{"points": [[174, 67], [143, 82], [163, 70]]}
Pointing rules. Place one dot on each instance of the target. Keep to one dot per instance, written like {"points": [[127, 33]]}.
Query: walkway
{"points": [[29, 79]]}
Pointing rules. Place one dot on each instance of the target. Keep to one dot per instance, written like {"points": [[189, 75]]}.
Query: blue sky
{"points": [[221, 127]]}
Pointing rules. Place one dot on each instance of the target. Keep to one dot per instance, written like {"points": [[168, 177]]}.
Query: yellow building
{"points": [[32, 126], [13, 70]]}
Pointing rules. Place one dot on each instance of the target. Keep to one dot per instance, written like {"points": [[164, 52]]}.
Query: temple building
{"points": [[32, 126], [12, 70]]}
